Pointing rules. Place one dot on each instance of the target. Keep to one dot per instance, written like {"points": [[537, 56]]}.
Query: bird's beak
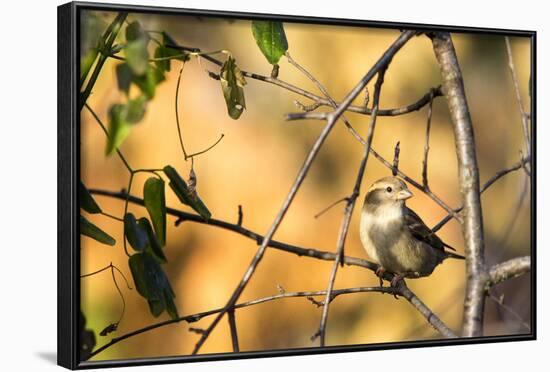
{"points": [[404, 194]]}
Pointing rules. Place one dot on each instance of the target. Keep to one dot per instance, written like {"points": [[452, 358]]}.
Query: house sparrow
{"points": [[395, 237]]}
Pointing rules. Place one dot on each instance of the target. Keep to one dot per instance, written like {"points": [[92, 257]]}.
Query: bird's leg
{"points": [[396, 279], [380, 271]]}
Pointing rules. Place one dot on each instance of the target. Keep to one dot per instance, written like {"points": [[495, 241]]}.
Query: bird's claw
{"points": [[380, 271]]}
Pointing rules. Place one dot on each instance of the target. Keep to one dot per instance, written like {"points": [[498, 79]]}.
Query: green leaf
{"points": [[271, 39], [156, 307], [135, 234], [148, 82], [119, 127], [87, 202], [184, 194], [232, 81], [89, 229], [153, 247], [160, 52], [135, 32], [136, 109], [145, 271], [124, 77], [154, 200], [137, 56], [153, 284]]}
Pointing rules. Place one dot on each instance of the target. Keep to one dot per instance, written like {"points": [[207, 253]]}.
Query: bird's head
{"points": [[387, 191]]}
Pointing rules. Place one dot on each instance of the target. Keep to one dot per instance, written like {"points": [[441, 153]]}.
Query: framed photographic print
{"points": [[237, 185]]}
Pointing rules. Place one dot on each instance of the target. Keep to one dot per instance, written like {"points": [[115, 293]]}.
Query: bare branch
{"points": [[524, 116], [426, 312], [324, 210], [349, 208], [233, 329], [395, 166], [415, 106], [402, 290], [427, 146], [486, 185], [507, 270], [501, 304], [331, 121], [240, 213], [472, 226]]}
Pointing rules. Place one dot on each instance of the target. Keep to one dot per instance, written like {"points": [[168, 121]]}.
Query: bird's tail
{"points": [[454, 255]]}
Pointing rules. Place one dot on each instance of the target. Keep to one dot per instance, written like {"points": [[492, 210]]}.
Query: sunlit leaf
{"points": [[89, 229], [232, 81], [271, 39], [155, 203], [148, 82], [136, 109], [119, 127], [137, 55], [135, 234], [184, 194], [87, 202]]}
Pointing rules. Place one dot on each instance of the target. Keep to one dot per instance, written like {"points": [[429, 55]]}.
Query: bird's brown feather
{"points": [[420, 231]]}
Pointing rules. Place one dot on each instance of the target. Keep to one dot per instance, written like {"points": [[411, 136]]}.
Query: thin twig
{"points": [[500, 302], [324, 210], [427, 146], [395, 165], [331, 121], [233, 329], [346, 220], [524, 116], [240, 213], [177, 113], [415, 106], [485, 186], [402, 290]]}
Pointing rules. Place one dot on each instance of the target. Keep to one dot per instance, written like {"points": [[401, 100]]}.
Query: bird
{"points": [[395, 237]]}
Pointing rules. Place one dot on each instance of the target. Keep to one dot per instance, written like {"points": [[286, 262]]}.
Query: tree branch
{"points": [[415, 106], [331, 121], [524, 116], [508, 270], [468, 174], [350, 204], [402, 290], [486, 185]]}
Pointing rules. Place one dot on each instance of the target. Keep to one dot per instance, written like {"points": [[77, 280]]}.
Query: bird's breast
{"points": [[379, 230]]}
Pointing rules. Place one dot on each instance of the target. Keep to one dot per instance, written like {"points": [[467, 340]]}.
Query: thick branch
{"points": [[468, 174], [508, 270]]}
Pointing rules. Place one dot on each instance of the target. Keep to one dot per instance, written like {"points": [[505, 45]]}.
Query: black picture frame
{"points": [[69, 170]]}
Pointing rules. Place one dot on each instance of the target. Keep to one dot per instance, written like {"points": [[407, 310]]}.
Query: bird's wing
{"points": [[420, 231]]}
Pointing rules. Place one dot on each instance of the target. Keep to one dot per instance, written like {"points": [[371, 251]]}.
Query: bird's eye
{"points": [[388, 189]]}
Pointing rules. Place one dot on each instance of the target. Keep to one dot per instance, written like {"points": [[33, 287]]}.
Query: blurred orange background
{"points": [[256, 163]]}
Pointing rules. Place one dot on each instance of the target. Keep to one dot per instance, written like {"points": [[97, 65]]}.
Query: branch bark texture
{"points": [[468, 174]]}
